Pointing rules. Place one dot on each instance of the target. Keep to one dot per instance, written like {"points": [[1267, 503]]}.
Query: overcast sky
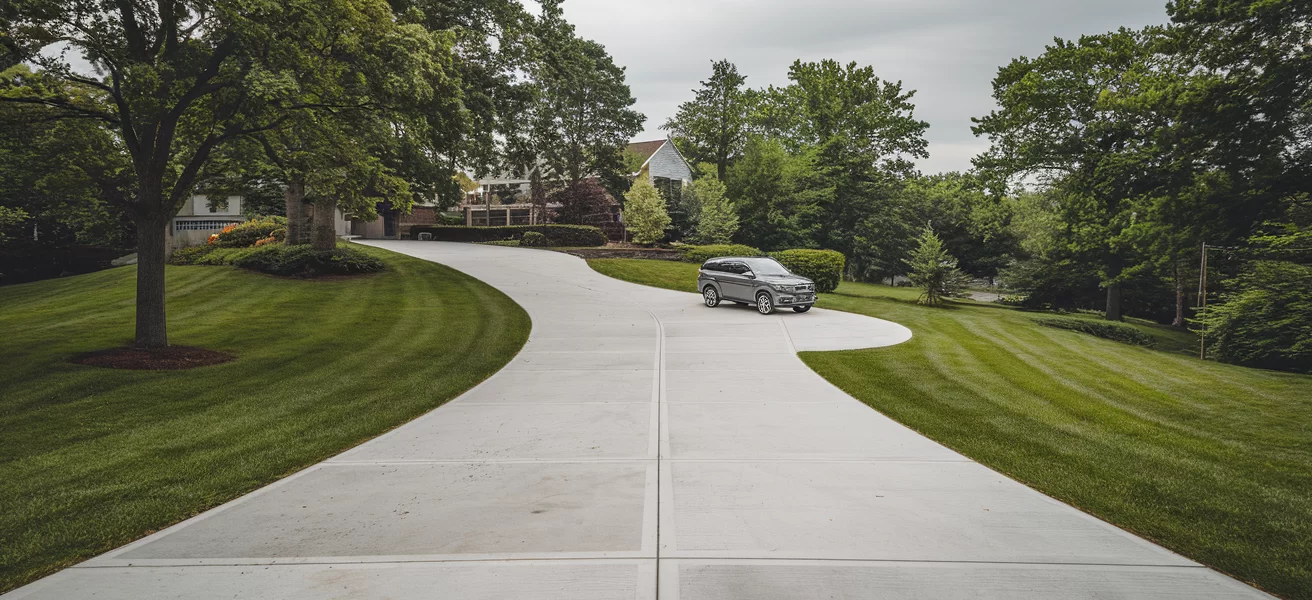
{"points": [[946, 50]]}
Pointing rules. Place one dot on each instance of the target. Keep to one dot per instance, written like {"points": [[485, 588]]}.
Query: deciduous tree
{"points": [[717, 221], [181, 79], [644, 213]]}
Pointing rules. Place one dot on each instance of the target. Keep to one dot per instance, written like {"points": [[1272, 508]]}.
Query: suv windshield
{"points": [[765, 266]]}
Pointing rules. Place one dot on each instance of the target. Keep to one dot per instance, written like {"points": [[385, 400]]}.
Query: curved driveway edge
{"points": [[643, 446]]}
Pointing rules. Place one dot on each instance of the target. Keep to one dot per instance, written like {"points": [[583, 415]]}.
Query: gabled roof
{"points": [[646, 149]]}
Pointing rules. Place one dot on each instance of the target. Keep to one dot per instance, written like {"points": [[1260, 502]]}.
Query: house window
{"points": [[199, 225], [670, 189]]}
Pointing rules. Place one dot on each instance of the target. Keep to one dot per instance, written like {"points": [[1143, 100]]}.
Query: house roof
{"points": [[646, 149]]}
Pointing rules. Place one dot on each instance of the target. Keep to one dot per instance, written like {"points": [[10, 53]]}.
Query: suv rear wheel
{"points": [[764, 304], [710, 296]]}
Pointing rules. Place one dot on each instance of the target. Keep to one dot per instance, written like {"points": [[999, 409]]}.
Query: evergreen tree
{"points": [[934, 270]]}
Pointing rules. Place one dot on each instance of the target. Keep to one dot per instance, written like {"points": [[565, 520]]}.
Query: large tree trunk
{"points": [[151, 325], [324, 235], [1114, 302], [1179, 297], [294, 196], [537, 196]]}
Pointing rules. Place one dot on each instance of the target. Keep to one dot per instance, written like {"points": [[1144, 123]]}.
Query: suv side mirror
{"points": [[749, 274]]}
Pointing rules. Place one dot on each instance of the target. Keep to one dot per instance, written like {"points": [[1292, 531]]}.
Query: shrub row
{"points": [[245, 235], [701, 254], [824, 267], [279, 259], [1110, 330], [556, 235]]}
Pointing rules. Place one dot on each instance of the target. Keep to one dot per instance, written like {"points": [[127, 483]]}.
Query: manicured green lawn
{"points": [[1210, 460], [93, 458]]}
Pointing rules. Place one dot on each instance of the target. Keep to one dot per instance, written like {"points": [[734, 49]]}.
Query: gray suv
{"points": [[760, 281]]}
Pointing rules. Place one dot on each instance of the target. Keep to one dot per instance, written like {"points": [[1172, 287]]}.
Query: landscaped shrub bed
{"points": [[701, 254], [824, 267], [557, 235], [1110, 330], [278, 259], [305, 261], [245, 235], [533, 239]]}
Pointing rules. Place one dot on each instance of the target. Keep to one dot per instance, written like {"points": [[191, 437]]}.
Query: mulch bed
{"points": [[617, 251], [172, 358]]}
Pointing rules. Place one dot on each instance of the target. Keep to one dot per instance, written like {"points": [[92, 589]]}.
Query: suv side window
{"points": [[713, 266], [735, 268]]}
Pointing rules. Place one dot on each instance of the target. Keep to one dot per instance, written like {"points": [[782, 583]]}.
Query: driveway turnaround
{"points": [[643, 446]]}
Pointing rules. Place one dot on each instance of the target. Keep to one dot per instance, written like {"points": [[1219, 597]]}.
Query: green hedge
{"points": [[824, 267], [278, 259], [1110, 330], [305, 261], [557, 235], [701, 254]]}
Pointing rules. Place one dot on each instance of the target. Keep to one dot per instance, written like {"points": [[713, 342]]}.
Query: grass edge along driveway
{"points": [[91, 458], [1210, 460]]}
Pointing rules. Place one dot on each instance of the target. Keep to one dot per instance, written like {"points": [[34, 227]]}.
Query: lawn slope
{"points": [[93, 458], [1210, 460]]}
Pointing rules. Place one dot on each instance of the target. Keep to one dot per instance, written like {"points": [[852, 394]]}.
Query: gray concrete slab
{"points": [[556, 431], [849, 580], [882, 510], [642, 437], [545, 580], [789, 430], [562, 386], [353, 510]]}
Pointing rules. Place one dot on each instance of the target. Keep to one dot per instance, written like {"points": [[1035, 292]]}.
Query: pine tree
{"points": [[933, 269]]}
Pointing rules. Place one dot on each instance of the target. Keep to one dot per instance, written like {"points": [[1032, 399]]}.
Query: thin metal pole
{"points": [[1202, 299]]}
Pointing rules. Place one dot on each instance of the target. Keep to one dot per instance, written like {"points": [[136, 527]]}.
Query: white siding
{"points": [[668, 163]]}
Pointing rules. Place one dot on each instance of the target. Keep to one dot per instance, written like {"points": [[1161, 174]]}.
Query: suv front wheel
{"points": [[764, 304]]}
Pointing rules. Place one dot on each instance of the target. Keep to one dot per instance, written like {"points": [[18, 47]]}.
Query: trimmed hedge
{"points": [[557, 235], [278, 259], [701, 254], [824, 267], [246, 234], [1109, 330], [305, 261], [533, 239]]}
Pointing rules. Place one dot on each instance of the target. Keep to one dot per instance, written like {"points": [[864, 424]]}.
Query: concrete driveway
{"points": [[644, 446]]}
